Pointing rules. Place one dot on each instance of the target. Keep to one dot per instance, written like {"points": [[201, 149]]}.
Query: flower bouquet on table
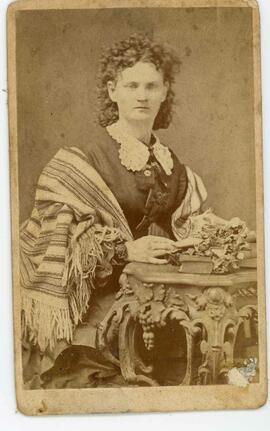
{"points": [[215, 245]]}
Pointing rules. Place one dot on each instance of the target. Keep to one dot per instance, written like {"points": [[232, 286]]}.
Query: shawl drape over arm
{"points": [[190, 207], [75, 221], [74, 216]]}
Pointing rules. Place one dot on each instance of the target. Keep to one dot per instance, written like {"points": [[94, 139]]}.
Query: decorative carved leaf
{"points": [[156, 310], [204, 347], [176, 301], [227, 348], [134, 309], [174, 314], [159, 292], [119, 294], [201, 302], [143, 293], [197, 301]]}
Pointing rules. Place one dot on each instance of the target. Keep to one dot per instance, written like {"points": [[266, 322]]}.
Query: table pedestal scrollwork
{"points": [[214, 312], [209, 309]]}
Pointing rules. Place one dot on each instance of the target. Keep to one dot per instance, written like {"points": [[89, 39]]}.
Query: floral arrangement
{"points": [[224, 242]]}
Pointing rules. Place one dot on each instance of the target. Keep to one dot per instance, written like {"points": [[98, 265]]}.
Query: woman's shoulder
{"points": [[176, 158], [97, 142], [99, 147], [178, 166], [168, 144]]}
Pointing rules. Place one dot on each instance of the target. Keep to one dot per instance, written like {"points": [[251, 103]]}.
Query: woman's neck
{"points": [[139, 130]]}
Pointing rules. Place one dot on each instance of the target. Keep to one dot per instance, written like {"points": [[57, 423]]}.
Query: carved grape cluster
{"points": [[146, 321], [152, 307], [148, 338]]}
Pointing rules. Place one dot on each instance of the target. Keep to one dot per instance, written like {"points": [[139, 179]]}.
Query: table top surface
{"points": [[169, 274]]}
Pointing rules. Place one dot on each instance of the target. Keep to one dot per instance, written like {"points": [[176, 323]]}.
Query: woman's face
{"points": [[138, 92]]}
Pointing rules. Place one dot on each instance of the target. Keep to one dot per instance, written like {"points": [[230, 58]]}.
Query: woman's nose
{"points": [[141, 93]]}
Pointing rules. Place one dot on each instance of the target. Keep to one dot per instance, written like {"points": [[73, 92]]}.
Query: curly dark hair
{"points": [[127, 53]]}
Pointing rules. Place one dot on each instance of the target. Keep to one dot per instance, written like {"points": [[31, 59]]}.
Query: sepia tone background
{"points": [[212, 130]]}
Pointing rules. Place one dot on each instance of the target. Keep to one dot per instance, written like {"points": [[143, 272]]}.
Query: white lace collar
{"points": [[134, 154]]}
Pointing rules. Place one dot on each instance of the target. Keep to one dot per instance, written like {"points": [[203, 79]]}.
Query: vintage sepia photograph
{"points": [[137, 205]]}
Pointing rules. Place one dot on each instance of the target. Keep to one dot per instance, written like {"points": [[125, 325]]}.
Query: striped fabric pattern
{"points": [[71, 199], [191, 205]]}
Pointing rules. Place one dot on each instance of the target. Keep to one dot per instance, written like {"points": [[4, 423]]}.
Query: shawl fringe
{"points": [[44, 323], [47, 319], [61, 245]]}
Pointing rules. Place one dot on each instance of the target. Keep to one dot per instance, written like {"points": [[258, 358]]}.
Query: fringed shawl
{"points": [[74, 214], [75, 217]]}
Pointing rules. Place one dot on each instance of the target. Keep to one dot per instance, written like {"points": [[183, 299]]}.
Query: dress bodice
{"points": [[145, 196]]}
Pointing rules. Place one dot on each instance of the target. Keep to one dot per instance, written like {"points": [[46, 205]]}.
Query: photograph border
{"points": [[60, 401]]}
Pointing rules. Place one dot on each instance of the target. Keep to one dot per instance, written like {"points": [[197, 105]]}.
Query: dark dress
{"points": [[148, 198], [132, 189]]}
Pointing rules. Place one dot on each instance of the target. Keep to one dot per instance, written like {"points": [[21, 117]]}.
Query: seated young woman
{"points": [[123, 196]]}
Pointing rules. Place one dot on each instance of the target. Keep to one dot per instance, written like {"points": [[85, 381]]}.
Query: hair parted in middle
{"points": [[126, 53]]}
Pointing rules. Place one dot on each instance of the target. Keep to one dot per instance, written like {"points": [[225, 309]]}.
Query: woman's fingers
{"points": [[148, 248], [166, 247], [187, 242], [162, 242], [157, 261], [159, 238], [160, 251]]}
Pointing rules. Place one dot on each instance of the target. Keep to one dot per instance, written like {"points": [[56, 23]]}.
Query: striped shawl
{"points": [[75, 220], [75, 215]]}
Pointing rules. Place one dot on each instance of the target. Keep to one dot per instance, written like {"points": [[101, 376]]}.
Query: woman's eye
{"points": [[151, 86], [132, 85]]}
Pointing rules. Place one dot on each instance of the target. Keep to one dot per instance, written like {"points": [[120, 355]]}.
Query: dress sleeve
{"points": [[182, 183], [191, 205]]}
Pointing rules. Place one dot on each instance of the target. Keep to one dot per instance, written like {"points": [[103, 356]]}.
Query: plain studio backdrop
{"points": [[232, 420], [213, 123]]}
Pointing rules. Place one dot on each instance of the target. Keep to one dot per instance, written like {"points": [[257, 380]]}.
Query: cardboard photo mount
{"points": [[131, 399]]}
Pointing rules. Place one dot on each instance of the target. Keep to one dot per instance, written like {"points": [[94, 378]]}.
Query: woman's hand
{"points": [[148, 248]]}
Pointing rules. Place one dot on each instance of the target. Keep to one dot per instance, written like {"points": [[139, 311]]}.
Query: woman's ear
{"points": [[111, 90]]}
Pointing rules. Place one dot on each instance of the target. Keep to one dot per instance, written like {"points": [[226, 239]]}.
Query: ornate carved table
{"points": [[215, 313]]}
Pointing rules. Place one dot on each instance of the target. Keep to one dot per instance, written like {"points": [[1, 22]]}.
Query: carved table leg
{"points": [[119, 316], [214, 311], [130, 361], [210, 313], [149, 306]]}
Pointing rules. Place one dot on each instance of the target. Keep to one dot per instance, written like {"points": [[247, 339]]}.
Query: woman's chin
{"points": [[140, 115]]}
